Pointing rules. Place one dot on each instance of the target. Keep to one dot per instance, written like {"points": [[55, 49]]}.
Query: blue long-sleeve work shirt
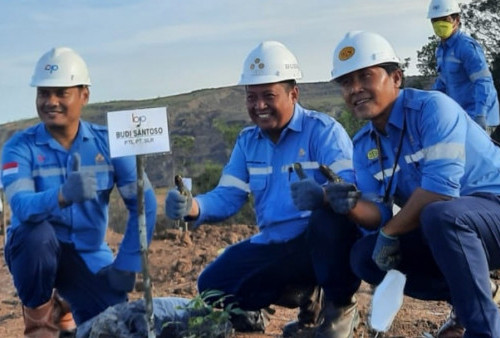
{"points": [[442, 151], [35, 166], [264, 169], [463, 74]]}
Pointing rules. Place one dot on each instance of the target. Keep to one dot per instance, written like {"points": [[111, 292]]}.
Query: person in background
{"points": [[58, 177], [421, 151], [295, 248], [463, 73]]}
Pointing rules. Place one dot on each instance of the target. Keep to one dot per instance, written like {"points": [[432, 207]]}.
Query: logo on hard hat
{"points": [[346, 53], [257, 63], [51, 68]]}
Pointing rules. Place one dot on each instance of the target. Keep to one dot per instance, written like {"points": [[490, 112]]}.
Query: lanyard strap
{"points": [[398, 154]]}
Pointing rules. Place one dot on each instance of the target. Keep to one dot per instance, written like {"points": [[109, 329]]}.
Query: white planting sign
{"points": [[138, 131]]}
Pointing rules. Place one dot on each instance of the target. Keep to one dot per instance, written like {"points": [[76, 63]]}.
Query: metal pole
{"points": [[148, 298], [4, 215]]}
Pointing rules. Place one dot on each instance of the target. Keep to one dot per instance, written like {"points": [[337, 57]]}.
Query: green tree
{"points": [[426, 58], [229, 131], [481, 19], [405, 64], [496, 73], [208, 178], [350, 123], [183, 146]]}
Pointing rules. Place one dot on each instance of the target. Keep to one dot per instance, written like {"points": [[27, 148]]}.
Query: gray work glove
{"points": [[342, 196], [119, 280], [481, 120], [80, 185], [307, 194], [177, 205], [386, 253]]}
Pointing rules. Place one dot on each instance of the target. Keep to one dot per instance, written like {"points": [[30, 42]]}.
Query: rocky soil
{"points": [[176, 258]]}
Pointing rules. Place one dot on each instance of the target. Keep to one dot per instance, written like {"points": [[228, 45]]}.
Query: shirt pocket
{"points": [[258, 176], [454, 67]]}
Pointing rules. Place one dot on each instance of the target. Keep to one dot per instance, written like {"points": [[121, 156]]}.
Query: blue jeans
{"points": [[256, 274], [39, 262]]}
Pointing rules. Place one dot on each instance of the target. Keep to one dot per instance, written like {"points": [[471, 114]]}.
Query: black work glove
{"points": [[386, 253], [342, 196], [307, 194]]}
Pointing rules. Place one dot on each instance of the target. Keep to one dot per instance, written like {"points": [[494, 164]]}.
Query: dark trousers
{"points": [[39, 262], [256, 274], [448, 258]]}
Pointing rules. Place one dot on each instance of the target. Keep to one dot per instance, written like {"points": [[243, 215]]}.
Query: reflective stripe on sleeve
{"points": [[478, 75], [130, 190], [338, 166], [99, 168], [232, 181], [440, 151], [23, 184]]}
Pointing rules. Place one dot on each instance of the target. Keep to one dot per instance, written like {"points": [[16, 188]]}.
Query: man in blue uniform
{"points": [[292, 247], [423, 152], [463, 72], [58, 176]]}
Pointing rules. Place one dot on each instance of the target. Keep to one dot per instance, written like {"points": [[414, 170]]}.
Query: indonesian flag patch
{"points": [[10, 168]]}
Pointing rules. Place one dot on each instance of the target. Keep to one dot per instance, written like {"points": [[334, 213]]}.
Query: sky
{"points": [[153, 48]]}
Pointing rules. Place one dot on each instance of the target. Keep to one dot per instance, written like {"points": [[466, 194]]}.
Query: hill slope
{"points": [[196, 122]]}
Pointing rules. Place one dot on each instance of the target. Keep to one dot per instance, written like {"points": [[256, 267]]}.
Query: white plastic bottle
{"points": [[387, 300]]}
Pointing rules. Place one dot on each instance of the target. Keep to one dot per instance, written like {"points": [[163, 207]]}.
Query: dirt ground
{"points": [[176, 258]]}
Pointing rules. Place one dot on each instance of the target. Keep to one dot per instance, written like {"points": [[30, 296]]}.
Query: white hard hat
{"points": [[270, 62], [360, 49], [60, 67], [440, 8]]}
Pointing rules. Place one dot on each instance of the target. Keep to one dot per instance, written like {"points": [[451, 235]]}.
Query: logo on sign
{"points": [[138, 119]]}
